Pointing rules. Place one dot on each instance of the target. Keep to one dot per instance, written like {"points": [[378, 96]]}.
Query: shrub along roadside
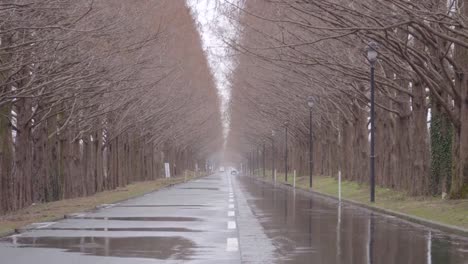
{"points": [[55, 210]]}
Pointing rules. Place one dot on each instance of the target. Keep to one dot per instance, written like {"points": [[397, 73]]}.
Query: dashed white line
{"points": [[231, 206], [231, 213], [231, 200], [232, 244], [232, 225]]}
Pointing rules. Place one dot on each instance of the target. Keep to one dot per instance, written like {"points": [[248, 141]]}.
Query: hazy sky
{"points": [[210, 21]]}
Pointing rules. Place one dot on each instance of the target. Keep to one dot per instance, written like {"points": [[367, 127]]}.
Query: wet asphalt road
{"points": [[229, 219]]}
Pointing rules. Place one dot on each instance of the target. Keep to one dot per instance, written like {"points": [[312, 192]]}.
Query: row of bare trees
{"points": [[96, 94], [289, 50]]}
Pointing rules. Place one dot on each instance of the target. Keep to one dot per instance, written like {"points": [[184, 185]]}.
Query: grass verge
{"points": [[44, 212], [448, 212]]}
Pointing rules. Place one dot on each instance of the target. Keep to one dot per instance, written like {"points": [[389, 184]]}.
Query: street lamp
{"points": [[310, 103], [263, 157], [372, 57], [286, 152], [273, 153]]}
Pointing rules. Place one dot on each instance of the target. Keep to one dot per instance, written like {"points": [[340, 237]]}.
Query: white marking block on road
{"points": [[231, 213], [76, 215], [232, 225], [231, 206], [43, 224], [231, 200], [232, 244]]}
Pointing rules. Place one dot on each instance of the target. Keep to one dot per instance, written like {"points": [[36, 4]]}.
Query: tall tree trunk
{"points": [[420, 173], [6, 159], [23, 153], [459, 186], [40, 163], [99, 161], [6, 139], [53, 167], [441, 150]]}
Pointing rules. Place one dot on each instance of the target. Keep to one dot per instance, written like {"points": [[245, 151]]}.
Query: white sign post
{"points": [[167, 169], [294, 180], [339, 185]]}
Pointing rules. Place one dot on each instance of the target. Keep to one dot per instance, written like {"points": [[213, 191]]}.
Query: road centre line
{"points": [[232, 225], [232, 244]]}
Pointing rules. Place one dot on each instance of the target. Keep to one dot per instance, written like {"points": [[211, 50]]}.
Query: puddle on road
{"points": [[177, 248], [307, 229], [201, 188], [156, 219], [163, 205], [133, 229]]}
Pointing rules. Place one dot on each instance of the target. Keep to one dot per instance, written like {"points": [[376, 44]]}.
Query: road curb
{"points": [[68, 216], [410, 218]]}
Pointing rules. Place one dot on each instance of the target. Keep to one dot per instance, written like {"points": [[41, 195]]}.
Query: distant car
{"points": [[234, 172]]}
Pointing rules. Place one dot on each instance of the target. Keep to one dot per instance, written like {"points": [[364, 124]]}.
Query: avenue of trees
{"points": [[288, 50], [96, 94]]}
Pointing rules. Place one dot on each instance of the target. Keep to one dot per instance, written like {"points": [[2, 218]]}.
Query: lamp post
{"points": [[263, 157], [286, 151], [310, 103], [372, 57], [273, 154]]}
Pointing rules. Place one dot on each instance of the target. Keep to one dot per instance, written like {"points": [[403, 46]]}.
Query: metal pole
{"points": [[372, 137], [286, 156], [339, 185], [311, 165], [294, 179], [263, 156], [255, 161], [255, 153], [251, 163], [273, 157], [339, 167]]}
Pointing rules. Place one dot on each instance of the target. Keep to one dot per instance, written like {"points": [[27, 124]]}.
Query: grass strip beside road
{"points": [[45, 212], [448, 212]]}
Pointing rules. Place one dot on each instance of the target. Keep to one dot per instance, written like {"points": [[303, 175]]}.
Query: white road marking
{"points": [[232, 225], [231, 200], [14, 239], [231, 213], [232, 244], [77, 215], [105, 206], [43, 225], [231, 206]]}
